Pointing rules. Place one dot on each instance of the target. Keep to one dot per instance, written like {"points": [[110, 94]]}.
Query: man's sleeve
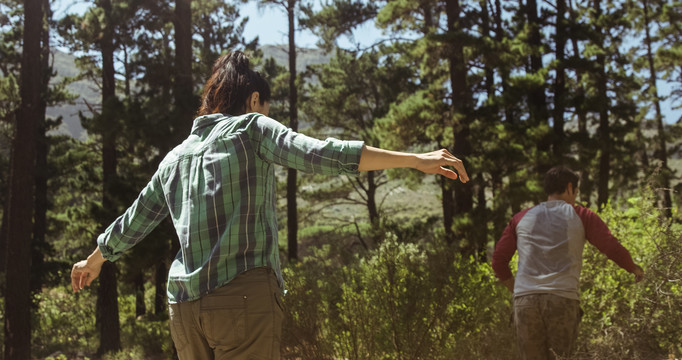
{"points": [[504, 251], [146, 212], [599, 235], [283, 146]]}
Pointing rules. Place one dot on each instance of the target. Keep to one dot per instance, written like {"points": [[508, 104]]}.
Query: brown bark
{"points": [[160, 294], [584, 155], [463, 194], [107, 293], [560, 83], [604, 127], [21, 182], [537, 102], [662, 151], [183, 86], [292, 187]]}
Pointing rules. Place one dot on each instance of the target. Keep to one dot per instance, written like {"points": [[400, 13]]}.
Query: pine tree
{"points": [[107, 292], [290, 8], [21, 196]]}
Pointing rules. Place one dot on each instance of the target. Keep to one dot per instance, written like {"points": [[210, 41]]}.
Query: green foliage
{"points": [[143, 336], [338, 18], [63, 321], [406, 294], [404, 300], [627, 320], [134, 353], [415, 297]]}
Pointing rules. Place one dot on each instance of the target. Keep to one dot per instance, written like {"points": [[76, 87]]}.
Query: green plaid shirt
{"points": [[219, 188]]}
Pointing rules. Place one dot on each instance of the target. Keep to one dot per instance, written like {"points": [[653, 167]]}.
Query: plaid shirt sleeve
{"points": [[146, 212], [283, 146]]}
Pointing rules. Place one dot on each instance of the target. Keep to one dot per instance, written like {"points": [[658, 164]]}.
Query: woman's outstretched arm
{"points": [[435, 162]]}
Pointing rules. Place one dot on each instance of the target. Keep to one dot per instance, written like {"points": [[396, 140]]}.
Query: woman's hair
{"points": [[557, 179], [230, 85]]}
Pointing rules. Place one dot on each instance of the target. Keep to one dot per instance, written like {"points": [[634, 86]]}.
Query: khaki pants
{"points": [[546, 325], [241, 320]]}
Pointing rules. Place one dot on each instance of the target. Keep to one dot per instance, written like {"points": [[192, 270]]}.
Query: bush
{"points": [[420, 302], [400, 301], [64, 322], [627, 320], [143, 335], [415, 297]]}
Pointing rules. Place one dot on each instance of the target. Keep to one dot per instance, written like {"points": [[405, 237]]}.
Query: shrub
{"points": [[143, 334], [415, 297], [627, 320], [404, 300], [64, 322]]}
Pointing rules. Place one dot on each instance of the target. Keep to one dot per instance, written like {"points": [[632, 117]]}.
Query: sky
{"points": [[276, 27], [270, 25]]}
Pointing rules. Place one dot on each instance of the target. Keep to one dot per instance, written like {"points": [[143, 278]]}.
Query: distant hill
{"points": [[89, 93], [304, 57]]}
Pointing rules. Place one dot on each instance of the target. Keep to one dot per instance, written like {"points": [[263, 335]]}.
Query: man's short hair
{"points": [[557, 179]]}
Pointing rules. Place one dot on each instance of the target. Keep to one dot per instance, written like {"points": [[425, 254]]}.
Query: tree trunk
{"points": [[509, 115], [3, 241], [107, 292], [662, 151], [39, 246], [560, 83], [537, 103], [292, 187], [461, 109], [21, 181], [183, 87], [160, 296], [448, 204], [371, 198], [480, 218], [140, 307], [480, 221], [585, 155], [604, 129]]}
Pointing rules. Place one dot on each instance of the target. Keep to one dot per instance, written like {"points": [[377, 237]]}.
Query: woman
{"points": [[218, 186]]}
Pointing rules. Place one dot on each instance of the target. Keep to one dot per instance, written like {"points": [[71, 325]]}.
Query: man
{"points": [[550, 238], [218, 187]]}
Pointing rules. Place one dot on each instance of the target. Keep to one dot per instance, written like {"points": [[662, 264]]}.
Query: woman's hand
{"points": [[435, 162], [84, 272]]}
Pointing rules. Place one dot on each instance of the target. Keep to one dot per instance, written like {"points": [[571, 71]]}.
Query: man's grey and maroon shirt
{"points": [[550, 238]]}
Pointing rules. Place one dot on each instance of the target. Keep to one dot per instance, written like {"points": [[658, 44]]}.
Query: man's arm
{"points": [[509, 284], [430, 163], [504, 251], [599, 235]]}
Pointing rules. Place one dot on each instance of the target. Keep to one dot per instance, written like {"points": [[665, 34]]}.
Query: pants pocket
{"points": [[177, 328], [223, 319]]}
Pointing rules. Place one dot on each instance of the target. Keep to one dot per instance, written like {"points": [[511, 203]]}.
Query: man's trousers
{"points": [[546, 325]]}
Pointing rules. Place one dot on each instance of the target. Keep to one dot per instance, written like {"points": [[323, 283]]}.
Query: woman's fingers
{"points": [[81, 282], [79, 276], [456, 163], [448, 173]]}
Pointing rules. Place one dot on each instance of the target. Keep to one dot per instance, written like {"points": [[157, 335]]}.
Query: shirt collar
{"points": [[207, 120]]}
